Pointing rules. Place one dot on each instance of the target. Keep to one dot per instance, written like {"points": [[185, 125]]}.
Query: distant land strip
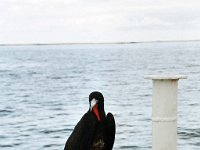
{"points": [[43, 44]]}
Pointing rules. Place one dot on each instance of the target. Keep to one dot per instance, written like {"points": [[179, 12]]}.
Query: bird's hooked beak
{"points": [[94, 107]]}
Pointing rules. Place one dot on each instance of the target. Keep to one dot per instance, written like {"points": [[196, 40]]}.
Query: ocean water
{"points": [[44, 91]]}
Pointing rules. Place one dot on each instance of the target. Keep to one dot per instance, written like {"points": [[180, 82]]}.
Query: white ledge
{"points": [[158, 119], [165, 77]]}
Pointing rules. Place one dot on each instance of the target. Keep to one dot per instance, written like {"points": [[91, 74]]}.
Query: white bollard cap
{"points": [[165, 77]]}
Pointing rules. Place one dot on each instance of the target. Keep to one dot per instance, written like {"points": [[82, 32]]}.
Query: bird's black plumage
{"points": [[93, 132]]}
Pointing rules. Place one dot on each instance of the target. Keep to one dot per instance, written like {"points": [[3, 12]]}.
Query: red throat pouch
{"points": [[96, 112]]}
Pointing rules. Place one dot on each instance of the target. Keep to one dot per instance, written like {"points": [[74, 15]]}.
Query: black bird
{"points": [[95, 130]]}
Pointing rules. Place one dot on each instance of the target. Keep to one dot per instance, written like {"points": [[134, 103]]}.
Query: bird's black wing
{"points": [[82, 135], [110, 131]]}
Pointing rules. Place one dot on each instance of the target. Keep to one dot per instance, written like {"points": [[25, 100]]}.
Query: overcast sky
{"points": [[56, 21]]}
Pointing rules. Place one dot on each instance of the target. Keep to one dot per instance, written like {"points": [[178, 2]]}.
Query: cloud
{"points": [[32, 21]]}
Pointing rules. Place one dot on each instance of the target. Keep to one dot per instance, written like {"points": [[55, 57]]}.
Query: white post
{"points": [[164, 111]]}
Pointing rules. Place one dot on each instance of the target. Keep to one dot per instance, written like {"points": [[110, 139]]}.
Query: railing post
{"points": [[164, 111]]}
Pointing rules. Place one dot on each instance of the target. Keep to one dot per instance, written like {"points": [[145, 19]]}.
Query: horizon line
{"points": [[76, 43]]}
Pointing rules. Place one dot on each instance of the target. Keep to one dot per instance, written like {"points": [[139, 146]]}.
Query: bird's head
{"points": [[96, 101]]}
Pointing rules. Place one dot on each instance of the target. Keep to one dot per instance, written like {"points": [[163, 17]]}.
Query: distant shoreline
{"points": [[43, 44]]}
